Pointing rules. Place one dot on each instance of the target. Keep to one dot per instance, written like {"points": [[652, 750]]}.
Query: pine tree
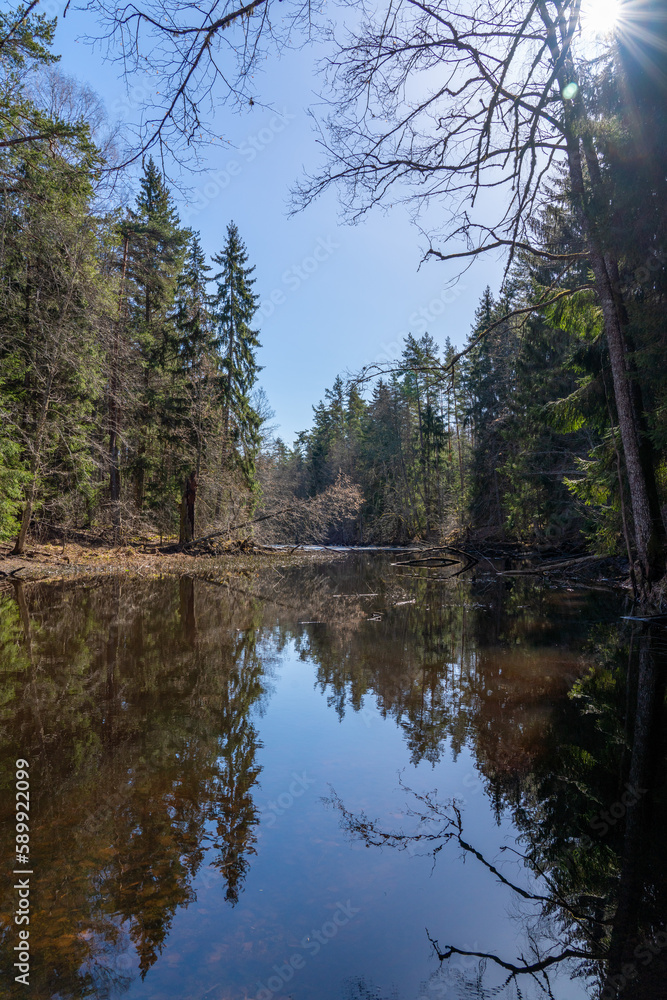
{"points": [[422, 387], [455, 439], [489, 378], [233, 306], [327, 438]]}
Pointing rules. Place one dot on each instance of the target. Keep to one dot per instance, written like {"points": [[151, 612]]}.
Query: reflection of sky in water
{"points": [[170, 700], [307, 871]]}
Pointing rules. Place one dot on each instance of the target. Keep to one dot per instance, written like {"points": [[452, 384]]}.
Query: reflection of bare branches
{"points": [[439, 558], [516, 970], [305, 591], [445, 824]]}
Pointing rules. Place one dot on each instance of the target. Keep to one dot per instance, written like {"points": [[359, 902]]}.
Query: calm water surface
{"points": [[292, 788]]}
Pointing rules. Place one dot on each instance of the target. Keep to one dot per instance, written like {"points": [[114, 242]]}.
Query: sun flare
{"points": [[600, 17]]}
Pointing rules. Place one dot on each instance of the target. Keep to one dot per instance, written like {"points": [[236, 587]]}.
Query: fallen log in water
{"points": [[554, 566], [433, 560]]}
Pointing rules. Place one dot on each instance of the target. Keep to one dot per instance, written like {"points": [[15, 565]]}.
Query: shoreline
{"points": [[54, 562]]}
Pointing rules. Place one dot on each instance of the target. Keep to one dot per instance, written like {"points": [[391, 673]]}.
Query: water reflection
{"points": [[133, 706], [140, 705], [591, 814]]}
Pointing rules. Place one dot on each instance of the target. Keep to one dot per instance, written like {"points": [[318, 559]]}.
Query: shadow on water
{"points": [[139, 706]]}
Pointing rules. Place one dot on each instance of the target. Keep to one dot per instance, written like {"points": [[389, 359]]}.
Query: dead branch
{"points": [[516, 970]]}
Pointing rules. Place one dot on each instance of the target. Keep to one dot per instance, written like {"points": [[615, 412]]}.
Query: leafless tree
{"points": [[64, 98], [202, 55], [474, 108]]}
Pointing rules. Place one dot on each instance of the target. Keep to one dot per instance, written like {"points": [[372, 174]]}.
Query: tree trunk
{"points": [[648, 534], [643, 774], [645, 502], [140, 473], [34, 469], [649, 529], [114, 427], [114, 409], [458, 441], [19, 547], [187, 526]]}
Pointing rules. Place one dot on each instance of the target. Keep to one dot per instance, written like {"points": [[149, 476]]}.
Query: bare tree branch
{"points": [[377, 370], [200, 55]]}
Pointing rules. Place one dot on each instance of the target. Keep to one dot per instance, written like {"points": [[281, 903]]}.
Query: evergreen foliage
{"points": [[119, 376], [232, 307], [123, 373]]}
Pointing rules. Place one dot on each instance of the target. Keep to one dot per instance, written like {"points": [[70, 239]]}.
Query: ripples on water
{"points": [[234, 789]]}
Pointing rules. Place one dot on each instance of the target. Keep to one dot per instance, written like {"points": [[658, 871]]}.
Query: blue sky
{"points": [[333, 296]]}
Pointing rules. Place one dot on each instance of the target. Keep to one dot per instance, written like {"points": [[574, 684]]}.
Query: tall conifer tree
{"points": [[193, 402], [233, 306], [156, 249]]}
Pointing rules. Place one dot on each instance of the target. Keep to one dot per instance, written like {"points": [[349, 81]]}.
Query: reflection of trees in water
{"points": [[462, 665], [592, 813], [133, 704], [235, 813]]}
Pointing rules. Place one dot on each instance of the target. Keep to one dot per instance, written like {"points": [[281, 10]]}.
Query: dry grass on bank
{"points": [[58, 561]]}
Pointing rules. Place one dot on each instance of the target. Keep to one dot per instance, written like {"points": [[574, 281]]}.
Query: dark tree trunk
{"points": [[649, 530], [644, 773], [187, 527], [114, 409], [648, 525], [114, 463], [590, 200]]}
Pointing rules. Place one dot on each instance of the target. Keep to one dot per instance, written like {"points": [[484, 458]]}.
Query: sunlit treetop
{"points": [[25, 37]]}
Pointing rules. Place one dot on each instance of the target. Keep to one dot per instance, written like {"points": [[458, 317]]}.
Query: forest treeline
{"points": [[516, 442], [127, 362], [129, 401]]}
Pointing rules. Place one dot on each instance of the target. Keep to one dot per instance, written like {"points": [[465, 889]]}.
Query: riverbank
{"points": [[71, 560], [55, 561]]}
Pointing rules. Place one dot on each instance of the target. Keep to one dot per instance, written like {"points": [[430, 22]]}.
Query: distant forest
{"points": [[129, 397]]}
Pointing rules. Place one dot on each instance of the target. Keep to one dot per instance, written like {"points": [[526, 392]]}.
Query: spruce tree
{"points": [[156, 249], [192, 404], [156, 253], [423, 390], [490, 380], [49, 362], [233, 307]]}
